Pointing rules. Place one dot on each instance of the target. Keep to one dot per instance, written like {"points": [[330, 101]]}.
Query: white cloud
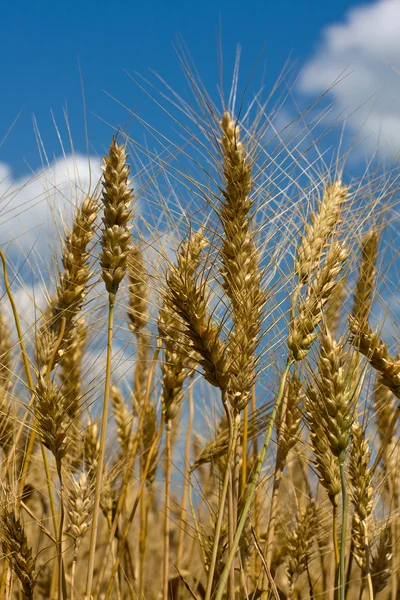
{"points": [[32, 209], [365, 47]]}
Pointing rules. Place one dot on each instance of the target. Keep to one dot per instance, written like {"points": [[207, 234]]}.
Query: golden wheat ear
{"points": [[18, 551]]}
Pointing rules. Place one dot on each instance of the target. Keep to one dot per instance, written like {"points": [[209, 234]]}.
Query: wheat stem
{"points": [[252, 488], [99, 474], [182, 520], [343, 531], [167, 507], [221, 507], [29, 379], [62, 587], [128, 469], [335, 542], [133, 512], [144, 518], [245, 438]]}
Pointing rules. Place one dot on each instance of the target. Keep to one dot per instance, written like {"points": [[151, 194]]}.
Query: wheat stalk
{"points": [[117, 197]]}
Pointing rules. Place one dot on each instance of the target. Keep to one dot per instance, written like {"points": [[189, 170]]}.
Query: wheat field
{"points": [[206, 404]]}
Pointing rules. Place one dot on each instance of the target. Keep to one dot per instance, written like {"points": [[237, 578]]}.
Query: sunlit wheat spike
{"points": [[303, 327], [366, 277], [17, 550], [318, 232], [179, 359], [240, 257], [299, 543], [117, 197], [71, 288], [79, 508], [368, 343], [189, 299], [360, 477]]}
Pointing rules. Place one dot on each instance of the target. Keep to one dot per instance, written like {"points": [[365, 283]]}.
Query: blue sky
{"points": [[42, 41]]}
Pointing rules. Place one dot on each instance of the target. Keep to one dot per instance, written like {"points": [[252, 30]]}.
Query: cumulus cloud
{"points": [[362, 54], [32, 209]]}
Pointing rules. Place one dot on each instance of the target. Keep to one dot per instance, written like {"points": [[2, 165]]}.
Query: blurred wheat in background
{"points": [[203, 402]]}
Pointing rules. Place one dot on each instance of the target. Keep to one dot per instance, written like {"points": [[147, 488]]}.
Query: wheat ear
{"points": [[360, 477], [18, 551], [299, 543], [368, 343], [117, 197]]}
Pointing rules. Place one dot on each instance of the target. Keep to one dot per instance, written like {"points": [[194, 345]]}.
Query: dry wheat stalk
{"points": [[7, 422], [138, 311], [5, 352], [325, 462], [7, 419], [148, 435], [334, 305], [115, 245], [385, 412], [70, 372], [175, 369], [91, 448], [288, 421]]}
